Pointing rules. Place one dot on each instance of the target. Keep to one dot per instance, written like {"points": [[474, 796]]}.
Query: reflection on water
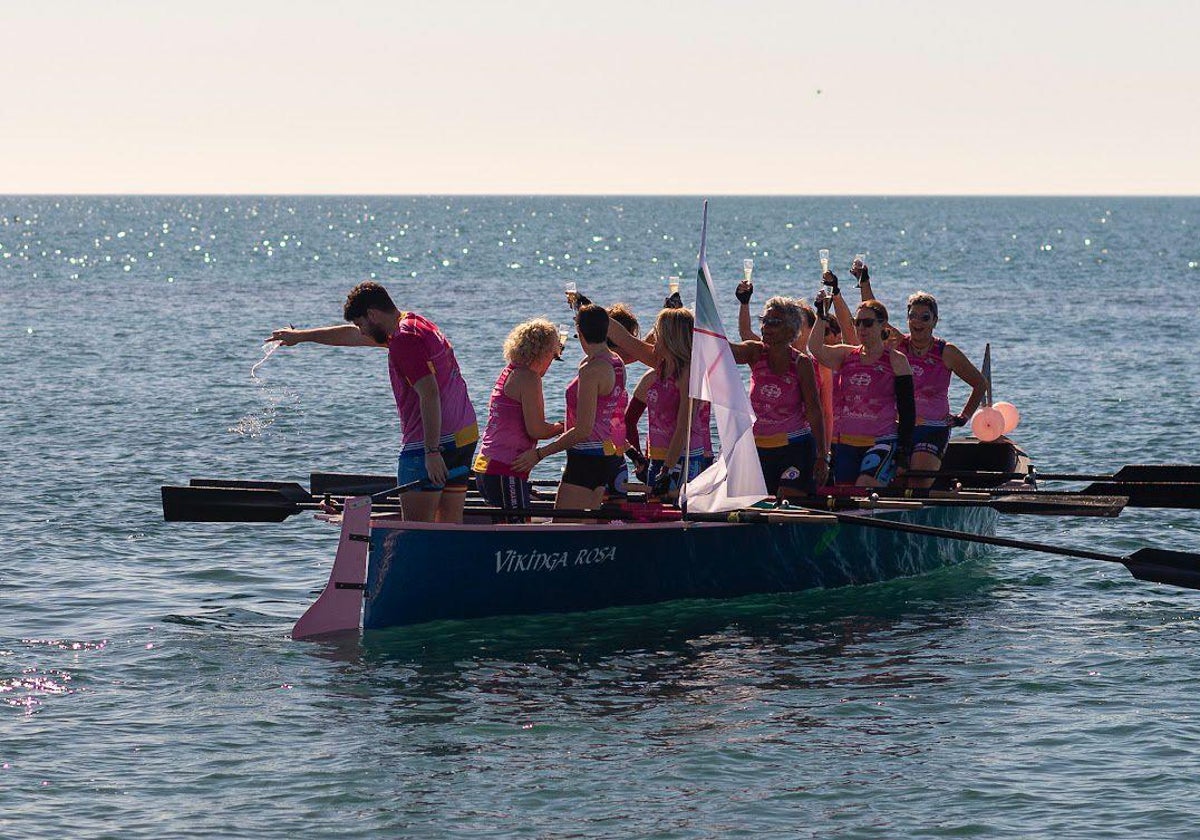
{"points": [[624, 663]]}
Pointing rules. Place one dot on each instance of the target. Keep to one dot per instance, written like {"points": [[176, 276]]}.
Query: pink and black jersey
{"points": [[779, 409], [505, 436], [864, 399], [931, 382], [662, 408], [607, 436], [415, 350]]}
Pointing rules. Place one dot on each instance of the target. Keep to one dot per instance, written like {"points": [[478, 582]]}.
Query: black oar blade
{"points": [[290, 490], [1178, 495], [1059, 504], [1159, 472], [226, 504], [349, 484], [1161, 565]]}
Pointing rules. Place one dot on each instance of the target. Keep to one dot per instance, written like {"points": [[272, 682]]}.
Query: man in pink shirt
{"points": [[438, 429]]}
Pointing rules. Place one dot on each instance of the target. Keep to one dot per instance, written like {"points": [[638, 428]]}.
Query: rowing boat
{"points": [[403, 573]]}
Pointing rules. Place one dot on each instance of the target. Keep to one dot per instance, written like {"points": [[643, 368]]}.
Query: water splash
{"points": [[256, 423], [268, 347]]}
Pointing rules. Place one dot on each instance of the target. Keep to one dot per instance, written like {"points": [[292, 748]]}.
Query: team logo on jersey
{"points": [[790, 474], [860, 380], [772, 392]]}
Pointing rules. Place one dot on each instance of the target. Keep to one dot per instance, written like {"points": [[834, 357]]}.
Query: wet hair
{"points": [[592, 323], [832, 326], [875, 306], [530, 341], [792, 314], [674, 346], [923, 299], [623, 315], [366, 296]]}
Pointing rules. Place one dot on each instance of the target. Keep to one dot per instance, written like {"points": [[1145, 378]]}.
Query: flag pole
{"points": [[687, 441], [687, 457]]}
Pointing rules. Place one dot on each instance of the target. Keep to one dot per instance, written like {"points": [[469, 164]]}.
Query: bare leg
{"points": [[574, 497], [450, 508], [421, 505], [924, 461]]}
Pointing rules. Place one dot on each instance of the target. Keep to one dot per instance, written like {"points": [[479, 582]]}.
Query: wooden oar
{"points": [[1182, 492], [1179, 495], [1136, 473], [1031, 502], [233, 500], [234, 503], [1157, 565], [352, 484]]}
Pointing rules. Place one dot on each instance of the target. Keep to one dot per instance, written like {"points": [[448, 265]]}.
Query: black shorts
{"points": [[790, 466], [931, 439], [507, 492], [592, 471]]}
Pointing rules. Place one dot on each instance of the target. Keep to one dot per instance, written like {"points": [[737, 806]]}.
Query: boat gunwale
{"points": [[807, 516]]}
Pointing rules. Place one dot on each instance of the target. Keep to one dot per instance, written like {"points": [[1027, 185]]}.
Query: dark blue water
{"points": [[148, 682]]}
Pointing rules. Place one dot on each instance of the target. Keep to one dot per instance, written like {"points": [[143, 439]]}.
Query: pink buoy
{"points": [[987, 424], [1011, 416]]}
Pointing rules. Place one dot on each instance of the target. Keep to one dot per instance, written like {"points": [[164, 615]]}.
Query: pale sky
{"points": [[617, 97]]}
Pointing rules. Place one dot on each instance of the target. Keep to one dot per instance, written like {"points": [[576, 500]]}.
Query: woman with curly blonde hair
{"points": [[517, 415]]}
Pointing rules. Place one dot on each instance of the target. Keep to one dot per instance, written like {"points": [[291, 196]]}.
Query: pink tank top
{"points": [[864, 399], [505, 436], [931, 382], [662, 407], [607, 436], [779, 409]]}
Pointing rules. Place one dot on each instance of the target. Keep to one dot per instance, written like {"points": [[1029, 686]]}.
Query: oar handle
{"points": [[457, 472]]}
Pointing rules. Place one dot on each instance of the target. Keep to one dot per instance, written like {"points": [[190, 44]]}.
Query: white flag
{"points": [[735, 479]]}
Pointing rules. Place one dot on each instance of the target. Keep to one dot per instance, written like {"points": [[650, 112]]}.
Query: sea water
{"points": [[148, 683]]}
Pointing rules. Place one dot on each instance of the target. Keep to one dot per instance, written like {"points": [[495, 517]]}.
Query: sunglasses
{"points": [[770, 322], [865, 322], [924, 317]]}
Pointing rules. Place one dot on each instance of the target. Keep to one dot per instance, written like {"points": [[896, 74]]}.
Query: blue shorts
{"points": [[790, 466], [877, 461], [696, 465], [931, 439], [458, 461]]}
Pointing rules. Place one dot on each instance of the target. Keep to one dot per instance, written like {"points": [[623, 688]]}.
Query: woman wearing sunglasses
{"points": [[873, 407], [783, 393], [933, 360], [744, 293]]}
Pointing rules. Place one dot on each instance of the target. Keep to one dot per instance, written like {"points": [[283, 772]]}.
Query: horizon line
{"points": [[577, 195]]}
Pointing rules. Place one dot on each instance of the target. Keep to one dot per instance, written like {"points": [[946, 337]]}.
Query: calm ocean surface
{"points": [[149, 687]]}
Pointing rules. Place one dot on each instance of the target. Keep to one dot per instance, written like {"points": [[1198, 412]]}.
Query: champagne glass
{"points": [[572, 291], [747, 269], [564, 332], [856, 267], [672, 285], [823, 256]]}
